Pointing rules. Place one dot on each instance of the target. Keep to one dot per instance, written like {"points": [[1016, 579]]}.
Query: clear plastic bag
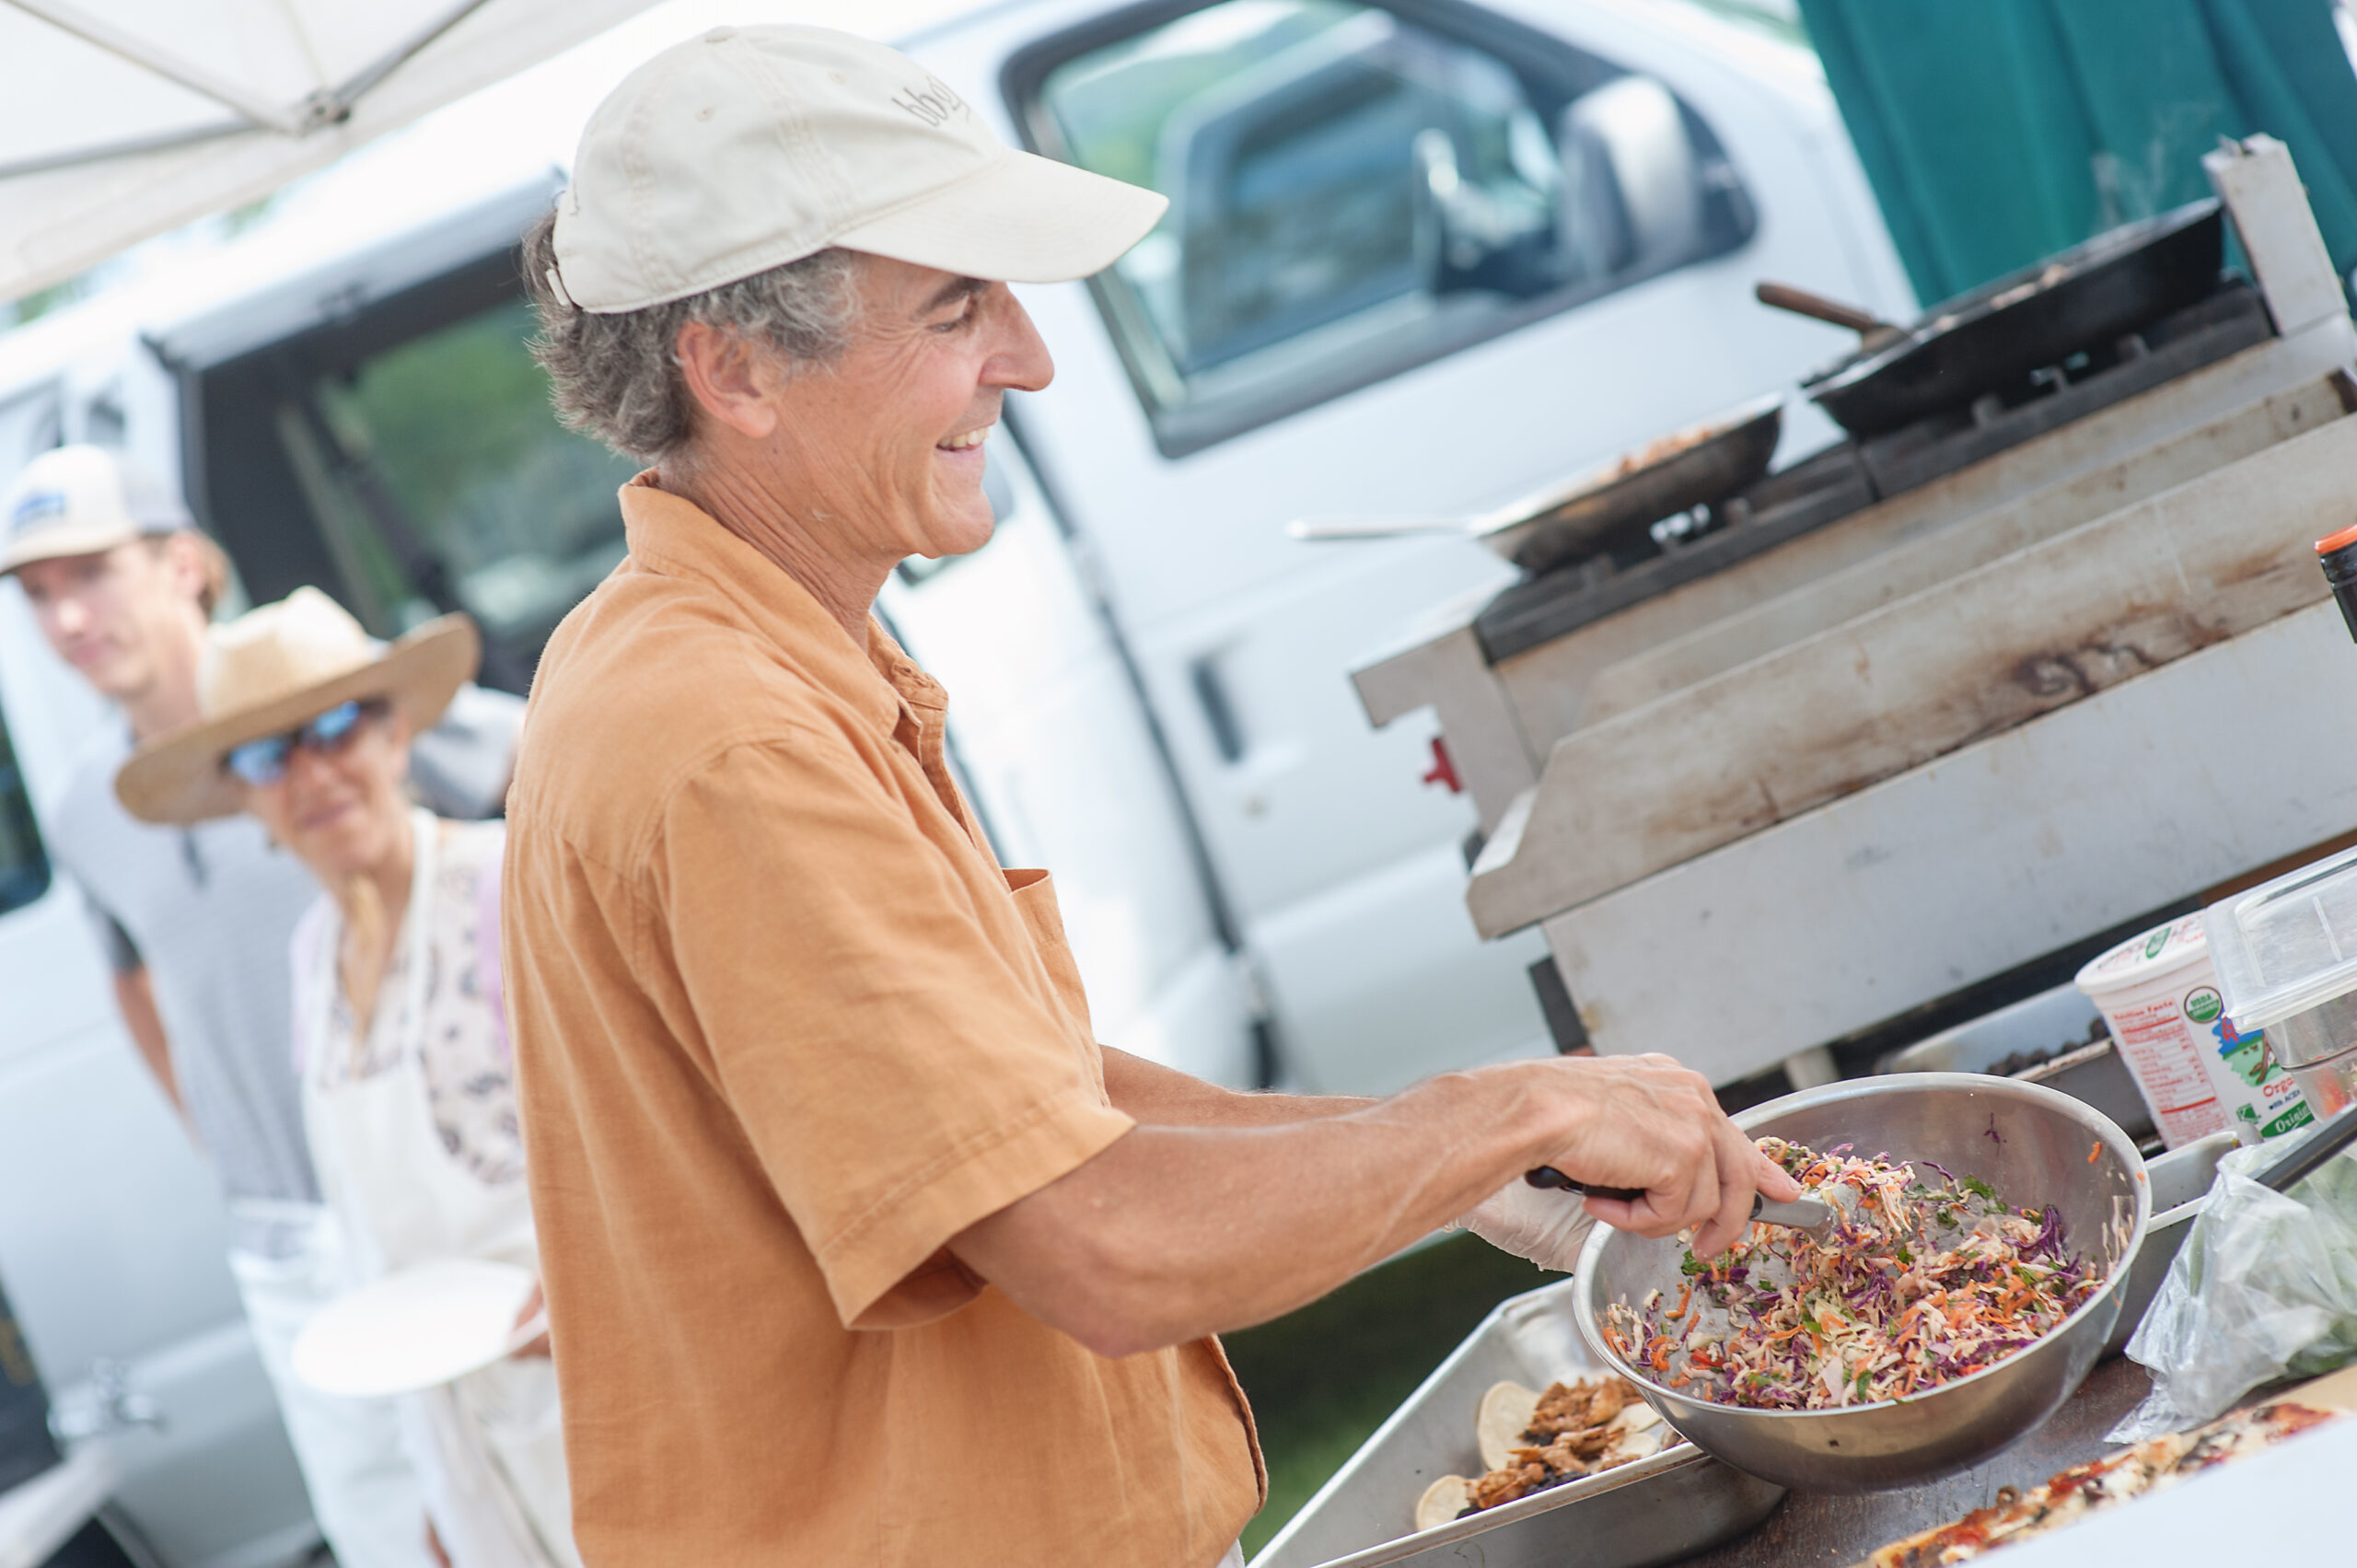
{"points": [[2264, 1288]]}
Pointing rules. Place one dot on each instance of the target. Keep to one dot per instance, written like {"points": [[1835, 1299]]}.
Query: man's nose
{"points": [[68, 614], [1019, 358]]}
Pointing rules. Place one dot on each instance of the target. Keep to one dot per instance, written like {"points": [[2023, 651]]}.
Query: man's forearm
{"points": [[134, 997], [1173, 1231], [1156, 1095], [1227, 1224]]}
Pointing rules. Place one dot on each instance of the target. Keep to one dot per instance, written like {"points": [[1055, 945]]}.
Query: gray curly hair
{"points": [[617, 378]]}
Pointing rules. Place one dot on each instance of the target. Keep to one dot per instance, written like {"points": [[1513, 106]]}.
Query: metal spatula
{"points": [[1802, 1214]]}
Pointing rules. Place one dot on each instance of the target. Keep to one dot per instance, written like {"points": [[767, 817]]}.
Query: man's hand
{"points": [[1644, 1122]]}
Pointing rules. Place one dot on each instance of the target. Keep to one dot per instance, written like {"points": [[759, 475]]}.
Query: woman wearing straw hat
{"points": [[408, 1093]]}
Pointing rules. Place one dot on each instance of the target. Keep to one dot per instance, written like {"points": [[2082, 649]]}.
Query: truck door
{"points": [[1419, 257]]}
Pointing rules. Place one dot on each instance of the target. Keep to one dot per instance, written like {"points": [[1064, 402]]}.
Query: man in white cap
{"points": [[195, 922], [858, 1247]]}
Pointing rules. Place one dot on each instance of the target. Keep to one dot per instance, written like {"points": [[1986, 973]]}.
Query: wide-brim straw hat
{"points": [[275, 668]]}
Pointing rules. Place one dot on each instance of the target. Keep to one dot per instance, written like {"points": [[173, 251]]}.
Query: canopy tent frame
{"points": [[328, 106], [133, 118]]}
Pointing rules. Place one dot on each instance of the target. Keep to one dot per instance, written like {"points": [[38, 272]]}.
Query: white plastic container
{"points": [[2286, 953], [2198, 1074]]}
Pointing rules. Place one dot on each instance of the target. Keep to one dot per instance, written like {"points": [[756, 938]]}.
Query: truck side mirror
{"points": [[1434, 189], [1631, 193]]}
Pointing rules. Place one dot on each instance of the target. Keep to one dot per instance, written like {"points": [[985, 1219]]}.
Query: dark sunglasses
{"points": [[263, 761]]}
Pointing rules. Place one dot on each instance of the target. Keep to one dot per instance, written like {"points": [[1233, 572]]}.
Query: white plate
{"points": [[417, 1328]]}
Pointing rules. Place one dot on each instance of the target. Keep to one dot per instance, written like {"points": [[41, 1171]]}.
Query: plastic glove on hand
{"points": [[1547, 1227]]}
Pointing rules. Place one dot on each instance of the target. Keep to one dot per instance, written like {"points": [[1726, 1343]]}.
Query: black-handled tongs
{"points": [[1802, 1214]]}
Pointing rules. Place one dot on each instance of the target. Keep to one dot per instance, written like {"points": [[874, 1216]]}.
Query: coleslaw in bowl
{"points": [[1933, 1328]]}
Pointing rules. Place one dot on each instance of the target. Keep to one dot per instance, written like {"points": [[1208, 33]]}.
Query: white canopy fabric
{"points": [[122, 119]]}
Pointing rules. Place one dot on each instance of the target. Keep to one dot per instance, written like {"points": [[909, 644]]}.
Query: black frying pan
{"points": [[1997, 334], [1565, 522]]}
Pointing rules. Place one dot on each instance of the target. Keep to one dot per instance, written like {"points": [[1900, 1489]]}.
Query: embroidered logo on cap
{"points": [[933, 103], [34, 507]]}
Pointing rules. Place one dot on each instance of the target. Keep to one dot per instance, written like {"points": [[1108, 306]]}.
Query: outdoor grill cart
{"points": [[2040, 649]]}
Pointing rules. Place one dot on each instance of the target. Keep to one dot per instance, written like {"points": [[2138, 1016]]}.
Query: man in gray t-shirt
{"points": [[196, 923]]}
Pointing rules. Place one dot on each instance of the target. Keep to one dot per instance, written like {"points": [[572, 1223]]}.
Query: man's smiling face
{"points": [[889, 439]]}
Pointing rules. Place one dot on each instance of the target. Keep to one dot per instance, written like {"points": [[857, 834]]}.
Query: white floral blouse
{"points": [[470, 1070]]}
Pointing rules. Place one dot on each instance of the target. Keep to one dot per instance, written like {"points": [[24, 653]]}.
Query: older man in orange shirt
{"points": [[858, 1247]]}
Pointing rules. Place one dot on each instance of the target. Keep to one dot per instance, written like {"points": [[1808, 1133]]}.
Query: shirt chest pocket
{"points": [[1034, 893]]}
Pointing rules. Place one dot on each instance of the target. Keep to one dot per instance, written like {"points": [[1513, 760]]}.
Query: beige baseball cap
{"points": [[750, 148], [79, 501]]}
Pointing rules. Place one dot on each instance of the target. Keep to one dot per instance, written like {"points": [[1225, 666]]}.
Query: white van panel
{"points": [[1369, 1019], [1063, 763], [114, 1249]]}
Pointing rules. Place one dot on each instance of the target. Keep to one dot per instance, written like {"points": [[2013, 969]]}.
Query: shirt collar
{"points": [[672, 535]]}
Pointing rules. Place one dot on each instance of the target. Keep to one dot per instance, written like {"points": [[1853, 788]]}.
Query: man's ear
{"points": [[734, 381], [184, 557]]}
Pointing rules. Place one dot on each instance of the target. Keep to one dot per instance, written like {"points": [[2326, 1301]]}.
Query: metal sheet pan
{"points": [[1656, 1511]]}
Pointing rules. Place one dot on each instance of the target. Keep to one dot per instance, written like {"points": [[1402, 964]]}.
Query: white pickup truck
{"points": [[1421, 256]]}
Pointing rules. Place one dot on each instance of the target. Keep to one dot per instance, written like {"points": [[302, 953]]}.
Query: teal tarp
{"points": [[1996, 132]]}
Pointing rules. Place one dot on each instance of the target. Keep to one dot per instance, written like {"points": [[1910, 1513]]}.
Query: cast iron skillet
{"points": [[1992, 337]]}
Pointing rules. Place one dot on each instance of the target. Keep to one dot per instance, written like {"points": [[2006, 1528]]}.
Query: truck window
{"points": [[24, 864], [517, 513], [409, 463], [1355, 190]]}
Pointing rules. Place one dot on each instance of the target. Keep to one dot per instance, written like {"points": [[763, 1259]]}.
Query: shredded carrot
{"points": [[2097, 1152], [1924, 1280]]}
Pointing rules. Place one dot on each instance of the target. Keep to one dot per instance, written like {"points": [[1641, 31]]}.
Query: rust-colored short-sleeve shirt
{"points": [[784, 1027]]}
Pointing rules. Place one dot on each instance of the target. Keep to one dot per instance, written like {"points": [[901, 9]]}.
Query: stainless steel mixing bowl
{"points": [[2039, 1155]]}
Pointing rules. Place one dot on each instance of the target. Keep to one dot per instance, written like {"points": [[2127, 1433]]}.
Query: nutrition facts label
{"points": [[2164, 1053]]}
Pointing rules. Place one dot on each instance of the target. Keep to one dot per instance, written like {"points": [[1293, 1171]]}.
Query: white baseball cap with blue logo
{"points": [[82, 501]]}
